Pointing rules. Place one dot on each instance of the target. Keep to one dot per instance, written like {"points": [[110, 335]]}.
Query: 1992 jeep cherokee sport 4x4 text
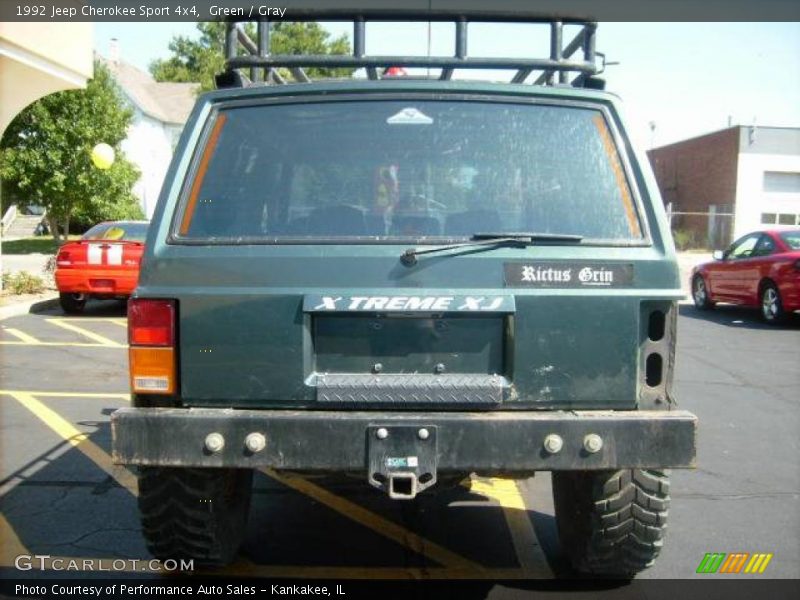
{"points": [[409, 281]]}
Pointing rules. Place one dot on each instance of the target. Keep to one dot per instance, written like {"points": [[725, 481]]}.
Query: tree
{"points": [[45, 155], [199, 60]]}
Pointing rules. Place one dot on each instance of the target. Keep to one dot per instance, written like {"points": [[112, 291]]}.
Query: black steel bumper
{"points": [[465, 441]]}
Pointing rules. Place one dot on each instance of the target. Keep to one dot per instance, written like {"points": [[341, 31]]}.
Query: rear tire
{"points": [[611, 523], [72, 304], [771, 306], [198, 514], [700, 293]]}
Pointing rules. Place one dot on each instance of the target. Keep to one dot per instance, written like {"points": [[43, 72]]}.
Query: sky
{"points": [[677, 80]]}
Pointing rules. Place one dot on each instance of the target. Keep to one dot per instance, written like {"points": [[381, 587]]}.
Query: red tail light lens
{"points": [[151, 322], [71, 254]]}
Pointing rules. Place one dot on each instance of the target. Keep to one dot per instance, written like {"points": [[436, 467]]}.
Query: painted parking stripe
{"points": [[99, 395], [116, 320], [22, 336], [86, 333], [381, 525], [61, 344], [529, 552], [78, 439]]}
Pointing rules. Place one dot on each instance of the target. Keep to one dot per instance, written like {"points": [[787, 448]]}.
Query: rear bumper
{"points": [[483, 442], [95, 281]]}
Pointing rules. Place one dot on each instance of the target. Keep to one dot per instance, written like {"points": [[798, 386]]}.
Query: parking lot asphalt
{"points": [[60, 495]]}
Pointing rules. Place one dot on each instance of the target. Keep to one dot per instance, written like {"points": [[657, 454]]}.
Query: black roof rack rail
{"points": [[554, 69]]}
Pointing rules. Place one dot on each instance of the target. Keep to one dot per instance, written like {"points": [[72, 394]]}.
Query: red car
{"points": [[761, 269], [104, 263]]}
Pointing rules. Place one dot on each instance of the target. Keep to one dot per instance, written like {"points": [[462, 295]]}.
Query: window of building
{"points": [[787, 219], [782, 182], [769, 218]]}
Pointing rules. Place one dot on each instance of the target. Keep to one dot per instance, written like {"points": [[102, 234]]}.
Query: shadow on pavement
{"points": [[94, 308]]}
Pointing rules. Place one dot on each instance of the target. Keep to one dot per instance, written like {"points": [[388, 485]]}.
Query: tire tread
{"points": [[612, 523], [197, 514]]}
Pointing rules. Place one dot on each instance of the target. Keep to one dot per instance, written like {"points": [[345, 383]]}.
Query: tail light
{"points": [[71, 255], [132, 254], [151, 337]]}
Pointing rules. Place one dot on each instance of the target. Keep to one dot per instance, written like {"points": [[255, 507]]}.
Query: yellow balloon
{"points": [[102, 156]]}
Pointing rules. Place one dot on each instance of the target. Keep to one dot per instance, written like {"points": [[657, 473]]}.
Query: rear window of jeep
{"points": [[406, 169]]}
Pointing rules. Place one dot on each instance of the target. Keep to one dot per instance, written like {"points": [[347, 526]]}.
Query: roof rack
{"points": [[557, 68]]}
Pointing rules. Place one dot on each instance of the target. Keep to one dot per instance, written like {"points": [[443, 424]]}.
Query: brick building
{"points": [[724, 184]]}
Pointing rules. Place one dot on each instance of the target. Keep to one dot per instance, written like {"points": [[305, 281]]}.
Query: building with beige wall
{"points": [[37, 59]]}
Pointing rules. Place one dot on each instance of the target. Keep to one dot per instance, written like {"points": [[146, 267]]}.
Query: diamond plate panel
{"points": [[411, 388]]}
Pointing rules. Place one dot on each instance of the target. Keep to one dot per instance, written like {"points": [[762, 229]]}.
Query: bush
{"points": [[22, 283], [87, 217], [684, 239]]}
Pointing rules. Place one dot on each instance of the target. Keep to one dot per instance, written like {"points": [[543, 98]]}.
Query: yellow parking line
{"points": [[78, 439], [21, 335], [10, 544], [100, 395], [67, 344], [526, 545], [86, 333], [122, 321], [381, 525]]}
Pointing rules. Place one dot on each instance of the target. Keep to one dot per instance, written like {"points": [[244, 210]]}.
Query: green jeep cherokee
{"points": [[409, 280]]}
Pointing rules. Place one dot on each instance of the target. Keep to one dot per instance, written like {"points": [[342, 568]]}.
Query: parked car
{"points": [[761, 269], [104, 263]]}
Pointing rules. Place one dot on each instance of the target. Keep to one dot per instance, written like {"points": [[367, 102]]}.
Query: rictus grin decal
{"points": [[568, 275], [402, 304]]}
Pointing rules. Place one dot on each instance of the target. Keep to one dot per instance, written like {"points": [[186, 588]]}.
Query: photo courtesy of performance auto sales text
{"points": [[48, 590], [389, 293]]}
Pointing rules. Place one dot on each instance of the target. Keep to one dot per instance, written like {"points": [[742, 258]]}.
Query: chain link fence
{"points": [[712, 230]]}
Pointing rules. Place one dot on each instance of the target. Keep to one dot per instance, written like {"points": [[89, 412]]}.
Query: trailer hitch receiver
{"points": [[401, 459]]}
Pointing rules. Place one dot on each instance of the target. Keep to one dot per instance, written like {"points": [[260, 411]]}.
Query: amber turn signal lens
{"points": [[152, 370]]}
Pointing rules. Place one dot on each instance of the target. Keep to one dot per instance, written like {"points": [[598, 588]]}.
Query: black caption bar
{"points": [[477, 10]]}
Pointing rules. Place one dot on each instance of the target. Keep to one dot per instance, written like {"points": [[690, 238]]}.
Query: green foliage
{"points": [[117, 204], [32, 245], [22, 282], [45, 154], [199, 60], [685, 239]]}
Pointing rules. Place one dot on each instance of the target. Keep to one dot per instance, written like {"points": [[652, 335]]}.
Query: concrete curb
{"points": [[23, 308]]}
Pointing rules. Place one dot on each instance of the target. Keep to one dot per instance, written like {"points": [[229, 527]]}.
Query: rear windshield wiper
{"points": [[492, 240]]}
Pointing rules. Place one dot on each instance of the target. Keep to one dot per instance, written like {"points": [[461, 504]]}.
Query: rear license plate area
{"points": [[102, 284], [377, 344]]}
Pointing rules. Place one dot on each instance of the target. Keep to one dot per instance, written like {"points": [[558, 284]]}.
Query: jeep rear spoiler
{"points": [[241, 52]]}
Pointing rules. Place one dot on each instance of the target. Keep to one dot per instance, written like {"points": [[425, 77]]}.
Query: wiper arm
{"points": [[492, 240]]}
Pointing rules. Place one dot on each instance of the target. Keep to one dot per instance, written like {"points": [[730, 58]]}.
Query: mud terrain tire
{"points": [[611, 523]]}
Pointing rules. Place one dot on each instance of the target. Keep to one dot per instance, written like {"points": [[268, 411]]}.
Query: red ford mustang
{"points": [[761, 269], [104, 263]]}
